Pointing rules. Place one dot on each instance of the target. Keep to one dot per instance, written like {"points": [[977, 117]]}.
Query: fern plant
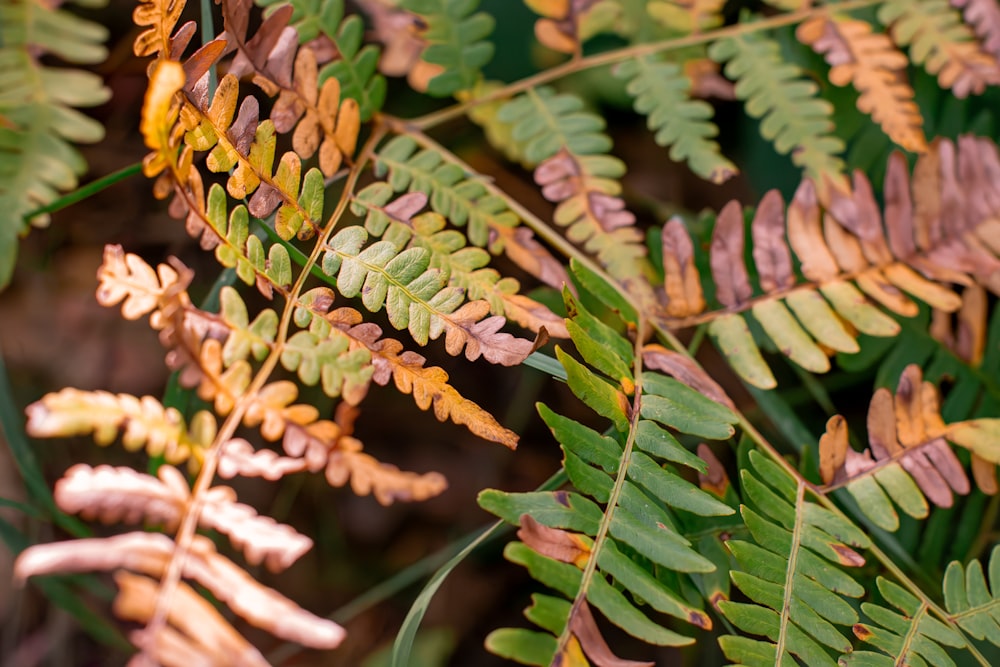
{"points": [[685, 517]]}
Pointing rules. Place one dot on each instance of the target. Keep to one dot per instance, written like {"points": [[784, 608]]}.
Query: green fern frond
{"points": [[792, 115], [38, 107], [631, 528], [452, 192], [660, 91], [790, 571], [907, 633], [456, 42], [968, 598]]}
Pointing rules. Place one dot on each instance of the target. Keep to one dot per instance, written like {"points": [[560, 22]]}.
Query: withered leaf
{"points": [[584, 628], [686, 370], [732, 282], [770, 253], [553, 543], [681, 280]]}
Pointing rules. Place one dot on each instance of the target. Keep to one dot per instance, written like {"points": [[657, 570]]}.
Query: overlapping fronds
{"points": [[466, 199], [942, 43], [39, 120], [565, 24], [844, 251], [984, 17], [792, 115], [661, 91], [568, 147], [455, 43], [793, 571], [621, 521], [872, 64], [910, 461]]}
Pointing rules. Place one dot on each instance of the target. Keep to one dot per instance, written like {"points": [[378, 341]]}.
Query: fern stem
{"points": [[206, 475], [85, 191], [793, 558], [610, 57], [616, 491]]}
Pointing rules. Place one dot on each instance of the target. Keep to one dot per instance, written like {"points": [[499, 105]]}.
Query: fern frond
{"points": [[872, 64], [356, 68], [791, 570], [661, 91], [971, 604], [573, 544], [940, 42], [149, 553], [984, 17], [844, 252], [461, 266], [564, 26], [792, 116], [456, 43], [911, 460], [38, 105], [907, 633]]}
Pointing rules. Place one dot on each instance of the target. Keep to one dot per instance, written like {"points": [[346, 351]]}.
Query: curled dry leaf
{"points": [[202, 630], [119, 494], [685, 370], [149, 553], [716, 480], [553, 543], [584, 628]]}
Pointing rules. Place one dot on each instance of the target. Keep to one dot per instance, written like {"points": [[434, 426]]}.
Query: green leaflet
{"points": [[792, 116], [456, 36], [37, 160], [452, 192], [972, 601], [661, 91], [544, 121]]}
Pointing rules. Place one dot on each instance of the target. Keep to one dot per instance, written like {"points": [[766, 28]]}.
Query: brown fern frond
{"points": [[113, 495], [909, 459], [940, 42], [197, 632], [563, 24], [871, 63], [915, 249], [984, 17], [589, 206], [149, 553]]}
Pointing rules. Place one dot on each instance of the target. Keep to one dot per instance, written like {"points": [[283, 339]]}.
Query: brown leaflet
{"points": [[732, 283], [715, 481], [681, 280], [533, 315], [980, 193], [469, 328], [867, 226], [240, 459], [899, 224], [561, 22], [770, 252], [970, 338], [685, 370], [940, 329], [559, 545], [520, 245], [833, 449], [985, 474], [584, 628], [882, 425], [843, 245], [161, 16], [268, 54], [428, 385], [926, 187], [805, 234]]}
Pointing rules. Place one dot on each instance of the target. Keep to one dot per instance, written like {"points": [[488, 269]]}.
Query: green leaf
{"points": [[733, 338]]}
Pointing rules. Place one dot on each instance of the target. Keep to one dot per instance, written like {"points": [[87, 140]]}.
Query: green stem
{"points": [[87, 190]]}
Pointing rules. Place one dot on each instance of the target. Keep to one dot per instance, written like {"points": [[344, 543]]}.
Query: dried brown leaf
{"points": [[805, 234], [204, 631], [468, 328], [584, 628], [732, 282], [685, 370], [240, 459], [560, 545], [770, 252], [833, 449], [877, 69], [681, 280], [970, 336], [520, 245], [715, 481]]}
